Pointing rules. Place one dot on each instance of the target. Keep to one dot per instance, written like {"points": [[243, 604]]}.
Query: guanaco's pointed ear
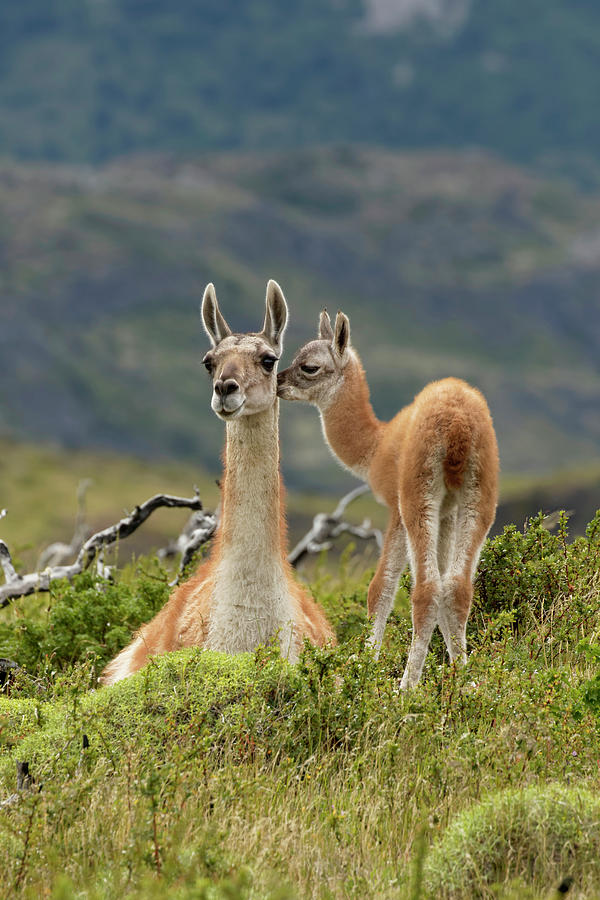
{"points": [[325, 329], [276, 316], [214, 324], [341, 336]]}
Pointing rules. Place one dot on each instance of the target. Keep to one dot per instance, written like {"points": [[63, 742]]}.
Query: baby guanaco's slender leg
{"points": [[472, 525], [383, 587], [422, 522], [446, 551]]}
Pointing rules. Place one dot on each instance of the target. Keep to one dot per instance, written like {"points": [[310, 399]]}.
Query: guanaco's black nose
{"points": [[224, 388]]}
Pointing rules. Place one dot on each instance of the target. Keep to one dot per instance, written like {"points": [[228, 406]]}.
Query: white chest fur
{"points": [[251, 606]]}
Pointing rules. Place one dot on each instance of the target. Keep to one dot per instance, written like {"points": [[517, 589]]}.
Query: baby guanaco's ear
{"points": [[325, 329], [214, 324], [276, 316], [341, 336]]}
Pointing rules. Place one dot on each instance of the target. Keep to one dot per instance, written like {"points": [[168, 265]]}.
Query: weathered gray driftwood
{"points": [[326, 528], [21, 585], [198, 530]]}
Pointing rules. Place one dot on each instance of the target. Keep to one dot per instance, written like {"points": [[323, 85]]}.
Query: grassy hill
{"points": [[215, 777], [90, 81], [448, 264]]}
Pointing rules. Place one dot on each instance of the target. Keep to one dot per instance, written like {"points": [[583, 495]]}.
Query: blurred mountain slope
{"points": [[447, 264], [85, 80]]}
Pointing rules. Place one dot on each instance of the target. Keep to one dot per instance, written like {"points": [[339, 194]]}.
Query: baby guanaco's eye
{"points": [[267, 362], [208, 364], [310, 370]]}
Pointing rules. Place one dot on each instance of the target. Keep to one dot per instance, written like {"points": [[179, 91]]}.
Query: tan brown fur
{"points": [[245, 594], [435, 465]]}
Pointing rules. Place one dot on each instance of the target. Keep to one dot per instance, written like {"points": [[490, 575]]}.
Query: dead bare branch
{"points": [[10, 573], [326, 528], [198, 530], [348, 498], [21, 585]]}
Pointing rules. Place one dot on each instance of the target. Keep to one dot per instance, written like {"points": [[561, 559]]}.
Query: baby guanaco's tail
{"points": [[458, 447]]}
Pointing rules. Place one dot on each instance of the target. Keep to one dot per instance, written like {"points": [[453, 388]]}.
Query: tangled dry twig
{"points": [[199, 529], [326, 528], [21, 585]]}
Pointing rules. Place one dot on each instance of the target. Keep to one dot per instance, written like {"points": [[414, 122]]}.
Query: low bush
{"points": [[524, 579], [85, 619], [523, 572], [542, 835]]}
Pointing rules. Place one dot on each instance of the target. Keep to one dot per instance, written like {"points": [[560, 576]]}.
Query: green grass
{"points": [[209, 776]]}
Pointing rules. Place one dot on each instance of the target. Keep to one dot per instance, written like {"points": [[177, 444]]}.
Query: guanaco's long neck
{"points": [[251, 600], [351, 428], [251, 526]]}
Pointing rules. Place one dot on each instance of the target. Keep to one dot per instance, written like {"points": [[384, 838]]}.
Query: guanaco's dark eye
{"points": [[267, 362], [310, 370], [208, 365]]}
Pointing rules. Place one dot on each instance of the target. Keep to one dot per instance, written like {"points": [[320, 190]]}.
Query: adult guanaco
{"points": [[244, 595], [435, 465]]}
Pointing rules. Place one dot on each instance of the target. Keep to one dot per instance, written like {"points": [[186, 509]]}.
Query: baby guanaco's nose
{"points": [[224, 387]]}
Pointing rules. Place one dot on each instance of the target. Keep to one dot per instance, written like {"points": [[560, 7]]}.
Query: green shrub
{"points": [[85, 619], [233, 707], [591, 688], [521, 574], [20, 718], [539, 834], [191, 697], [524, 572]]}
